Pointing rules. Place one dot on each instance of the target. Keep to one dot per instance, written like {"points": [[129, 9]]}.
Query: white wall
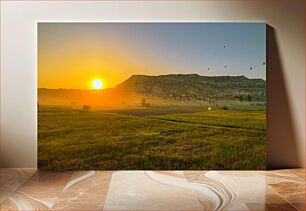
{"points": [[19, 69]]}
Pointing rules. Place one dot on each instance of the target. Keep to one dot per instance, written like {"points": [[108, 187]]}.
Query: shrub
{"points": [[86, 107], [144, 103]]}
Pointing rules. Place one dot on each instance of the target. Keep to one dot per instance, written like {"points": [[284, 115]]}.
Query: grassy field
{"points": [[150, 138]]}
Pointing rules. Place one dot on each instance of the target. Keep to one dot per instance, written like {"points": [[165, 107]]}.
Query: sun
{"points": [[97, 84]]}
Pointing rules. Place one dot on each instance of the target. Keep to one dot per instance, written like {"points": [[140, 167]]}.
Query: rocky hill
{"points": [[193, 86]]}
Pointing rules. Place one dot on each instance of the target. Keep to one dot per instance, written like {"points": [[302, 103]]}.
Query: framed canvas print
{"points": [[131, 96]]}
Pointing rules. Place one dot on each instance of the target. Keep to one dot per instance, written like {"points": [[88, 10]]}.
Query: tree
{"points": [[143, 102], [249, 98], [241, 98]]}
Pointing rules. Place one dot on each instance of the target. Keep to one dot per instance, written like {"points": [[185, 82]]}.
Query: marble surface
{"points": [[28, 189]]}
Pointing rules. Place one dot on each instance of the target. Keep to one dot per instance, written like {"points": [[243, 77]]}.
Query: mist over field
{"points": [[180, 89]]}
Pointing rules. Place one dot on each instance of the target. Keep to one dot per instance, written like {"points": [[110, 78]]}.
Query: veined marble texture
{"points": [[26, 189], [86, 191], [12, 179], [148, 190]]}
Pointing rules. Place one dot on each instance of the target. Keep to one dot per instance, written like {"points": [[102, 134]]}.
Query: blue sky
{"points": [[195, 47]]}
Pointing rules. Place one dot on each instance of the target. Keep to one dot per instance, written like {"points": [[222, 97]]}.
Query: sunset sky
{"points": [[72, 55]]}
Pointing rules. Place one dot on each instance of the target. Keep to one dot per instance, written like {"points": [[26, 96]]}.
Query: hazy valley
{"points": [[168, 90]]}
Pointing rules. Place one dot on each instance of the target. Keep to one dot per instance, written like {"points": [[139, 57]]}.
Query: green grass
{"points": [[72, 139]]}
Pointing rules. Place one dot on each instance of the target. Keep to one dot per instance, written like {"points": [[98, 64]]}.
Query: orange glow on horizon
{"points": [[67, 61]]}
